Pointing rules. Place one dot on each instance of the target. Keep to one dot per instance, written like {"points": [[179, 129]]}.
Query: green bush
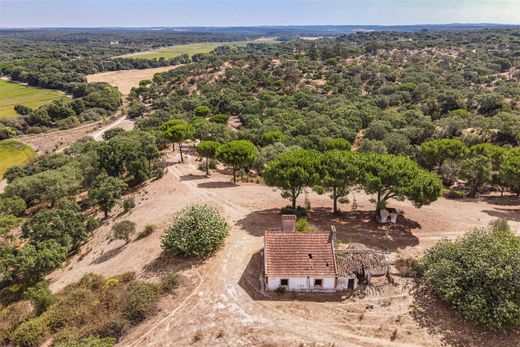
{"points": [[147, 231], [169, 282], [197, 231], [140, 301], [40, 296], [90, 341], [128, 204], [92, 224], [122, 230], [478, 275], [15, 206], [300, 211], [302, 225], [31, 333]]}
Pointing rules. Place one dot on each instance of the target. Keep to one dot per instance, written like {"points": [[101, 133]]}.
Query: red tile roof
{"points": [[298, 254]]}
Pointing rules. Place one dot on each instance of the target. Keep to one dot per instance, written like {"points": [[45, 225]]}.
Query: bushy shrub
{"points": [[40, 296], [169, 282], [128, 204], [302, 225], [12, 316], [140, 301], [147, 231], [300, 211], [92, 224], [197, 231], [478, 275], [15, 206], [31, 333], [122, 230], [90, 341]]}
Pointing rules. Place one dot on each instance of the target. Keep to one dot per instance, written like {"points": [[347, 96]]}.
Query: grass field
{"points": [[190, 49], [12, 93], [13, 152]]}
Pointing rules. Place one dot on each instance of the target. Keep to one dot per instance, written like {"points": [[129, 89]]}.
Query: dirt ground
{"points": [[221, 302], [125, 80]]}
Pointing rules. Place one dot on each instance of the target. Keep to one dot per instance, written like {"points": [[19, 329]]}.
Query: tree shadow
{"points": [[257, 222], [213, 185], [506, 200], [193, 177], [165, 264], [108, 255], [439, 319], [251, 282], [508, 214]]}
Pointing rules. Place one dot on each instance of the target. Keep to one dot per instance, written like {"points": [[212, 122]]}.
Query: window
{"points": [[284, 282], [318, 282]]}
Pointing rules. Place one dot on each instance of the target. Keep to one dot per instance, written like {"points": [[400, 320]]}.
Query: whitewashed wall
{"points": [[343, 283], [302, 283]]}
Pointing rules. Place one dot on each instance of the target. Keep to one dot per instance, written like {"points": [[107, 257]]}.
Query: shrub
{"points": [[300, 211], [169, 282], [90, 341], [15, 206], [122, 230], [40, 296], [128, 204], [31, 333], [148, 230], [453, 194], [478, 275], [302, 225], [140, 301], [197, 231], [92, 224], [12, 316]]}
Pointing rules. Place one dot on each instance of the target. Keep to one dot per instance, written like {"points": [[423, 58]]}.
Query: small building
{"points": [[309, 262]]}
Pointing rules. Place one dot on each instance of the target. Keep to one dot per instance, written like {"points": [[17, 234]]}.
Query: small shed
{"points": [[355, 265]]}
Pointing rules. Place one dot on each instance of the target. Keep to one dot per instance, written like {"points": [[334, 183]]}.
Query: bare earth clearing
{"points": [[220, 302], [125, 80]]}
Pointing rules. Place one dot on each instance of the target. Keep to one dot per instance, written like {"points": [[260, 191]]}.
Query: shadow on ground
{"points": [[250, 281], [351, 227], [508, 214], [216, 185], [108, 255], [439, 319], [166, 264]]}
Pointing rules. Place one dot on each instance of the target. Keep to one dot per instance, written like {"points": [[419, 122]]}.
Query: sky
{"points": [[172, 13]]}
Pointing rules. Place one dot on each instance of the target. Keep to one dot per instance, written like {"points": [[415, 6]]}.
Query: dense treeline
{"points": [[383, 92]]}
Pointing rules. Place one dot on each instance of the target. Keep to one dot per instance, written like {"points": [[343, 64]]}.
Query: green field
{"points": [[13, 152], [190, 49], [12, 93]]}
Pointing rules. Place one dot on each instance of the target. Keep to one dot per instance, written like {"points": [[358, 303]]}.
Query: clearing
{"points": [[221, 302], [125, 80], [13, 152], [190, 49], [12, 93]]}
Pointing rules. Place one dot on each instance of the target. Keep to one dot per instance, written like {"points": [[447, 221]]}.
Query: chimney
{"points": [[288, 223], [333, 235]]}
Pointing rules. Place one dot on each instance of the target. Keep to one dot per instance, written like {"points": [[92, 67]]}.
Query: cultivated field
{"points": [[12, 93], [190, 49], [125, 80], [12, 153]]}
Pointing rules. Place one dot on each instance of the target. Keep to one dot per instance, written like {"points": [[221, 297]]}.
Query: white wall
{"points": [[302, 283], [343, 283]]}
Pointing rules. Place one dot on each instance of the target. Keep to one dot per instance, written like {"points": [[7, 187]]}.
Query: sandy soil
{"points": [[221, 302], [125, 80]]}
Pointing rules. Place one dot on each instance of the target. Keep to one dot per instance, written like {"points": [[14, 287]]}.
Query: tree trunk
{"points": [[207, 166], [335, 199], [234, 174], [105, 210], [378, 205], [180, 150], [294, 202]]}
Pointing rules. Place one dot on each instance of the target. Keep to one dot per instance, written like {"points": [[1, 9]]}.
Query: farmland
{"points": [[14, 93], [190, 49], [12, 153]]}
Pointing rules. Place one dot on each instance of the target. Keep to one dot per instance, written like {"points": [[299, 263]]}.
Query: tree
{"points": [[220, 118], [136, 110], [478, 275], [511, 170], [63, 224], [113, 132], [122, 230], [476, 171], [292, 171], [437, 151], [197, 231], [15, 206], [331, 143], [496, 154], [270, 137], [391, 176], [208, 150], [22, 109], [237, 154], [202, 111], [178, 134], [106, 192], [339, 171]]}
